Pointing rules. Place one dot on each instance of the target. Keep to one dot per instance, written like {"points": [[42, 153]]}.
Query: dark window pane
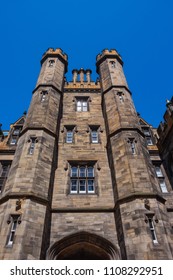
{"points": [[74, 171]]}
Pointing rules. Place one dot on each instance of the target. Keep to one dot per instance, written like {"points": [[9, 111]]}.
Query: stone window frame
{"points": [[32, 140], [4, 173], [81, 164], [14, 135], [132, 145], [73, 130], [51, 62], [151, 219], [113, 64], [148, 135], [82, 99], [44, 96], [94, 128], [120, 95], [14, 220], [160, 177]]}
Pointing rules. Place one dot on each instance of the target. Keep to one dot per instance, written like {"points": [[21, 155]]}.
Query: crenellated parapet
{"points": [[108, 54], [58, 52]]}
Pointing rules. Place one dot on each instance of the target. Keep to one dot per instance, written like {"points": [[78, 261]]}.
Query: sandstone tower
{"points": [[80, 175]]}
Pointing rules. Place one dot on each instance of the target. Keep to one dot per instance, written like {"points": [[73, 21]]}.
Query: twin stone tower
{"points": [[82, 184]]}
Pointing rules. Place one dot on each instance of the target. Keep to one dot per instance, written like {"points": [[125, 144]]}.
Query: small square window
{"points": [[82, 104]]}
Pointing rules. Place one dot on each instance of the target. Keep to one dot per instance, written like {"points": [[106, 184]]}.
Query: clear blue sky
{"points": [[141, 31]]}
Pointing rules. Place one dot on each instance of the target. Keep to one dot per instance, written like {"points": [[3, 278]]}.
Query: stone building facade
{"points": [[80, 174]]}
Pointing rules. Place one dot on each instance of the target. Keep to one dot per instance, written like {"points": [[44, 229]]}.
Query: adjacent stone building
{"points": [[80, 174]]}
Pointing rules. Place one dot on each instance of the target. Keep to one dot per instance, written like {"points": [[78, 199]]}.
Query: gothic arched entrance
{"points": [[83, 246]]}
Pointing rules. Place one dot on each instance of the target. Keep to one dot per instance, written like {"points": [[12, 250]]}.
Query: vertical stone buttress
{"points": [[136, 192], [29, 186]]}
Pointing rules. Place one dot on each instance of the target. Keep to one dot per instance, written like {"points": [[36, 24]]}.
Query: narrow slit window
{"points": [[94, 136], [152, 230], [113, 64], [158, 171], [32, 145], [120, 95], [13, 228], [161, 179], [43, 96], [133, 148], [5, 167], [13, 140], [69, 136], [163, 185], [51, 62]]}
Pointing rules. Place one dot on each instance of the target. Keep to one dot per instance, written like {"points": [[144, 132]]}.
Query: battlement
{"points": [[54, 53], [108, 54], [80, 87]]}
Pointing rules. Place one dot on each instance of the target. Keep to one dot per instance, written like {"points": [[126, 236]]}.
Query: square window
{"points": [[82, 104], [82, 179]]}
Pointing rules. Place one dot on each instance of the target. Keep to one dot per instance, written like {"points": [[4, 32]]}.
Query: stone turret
{"points": [[131, 167], [32, 171]]}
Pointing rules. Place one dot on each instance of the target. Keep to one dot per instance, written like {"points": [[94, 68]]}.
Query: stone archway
{"points": [[83, 246]]}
